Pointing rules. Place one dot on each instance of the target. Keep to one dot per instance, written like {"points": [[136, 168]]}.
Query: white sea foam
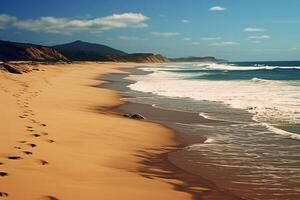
{"points": [[209, 140], [215, 66], [270, 101], [206, 116], [282, 132]]}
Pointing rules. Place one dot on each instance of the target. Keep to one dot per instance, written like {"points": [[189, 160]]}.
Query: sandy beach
{"points": [[59, 142], [145, 100]]}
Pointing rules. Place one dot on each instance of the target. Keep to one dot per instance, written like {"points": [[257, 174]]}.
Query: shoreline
{"points": [[165, 118], [237, 155], [56, 145]]}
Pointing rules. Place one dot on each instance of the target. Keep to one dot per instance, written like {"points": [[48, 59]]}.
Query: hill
{"points": [[84, 51], [28, 52], [142, 58]]}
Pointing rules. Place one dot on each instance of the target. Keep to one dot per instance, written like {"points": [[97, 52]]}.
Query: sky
{"points": [[236, 30]]}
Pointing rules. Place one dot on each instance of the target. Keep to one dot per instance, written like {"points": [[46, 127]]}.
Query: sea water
{"points": [[254, 149]]}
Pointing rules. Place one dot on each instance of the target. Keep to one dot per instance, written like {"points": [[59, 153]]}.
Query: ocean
{"points": [[252, 148]]}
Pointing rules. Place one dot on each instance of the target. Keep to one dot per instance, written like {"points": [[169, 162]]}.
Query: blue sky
{"points": [[240, 30]]}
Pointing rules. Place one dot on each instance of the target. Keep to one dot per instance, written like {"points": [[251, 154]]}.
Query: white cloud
{"points": [[185, 21], [6, 20], [256, 41], [224, 43], [131, 38], [259, 37], [217, 8], [211, 38], [69, 26], [195, 43], [187, 39], [165, 34], [250, 29]]}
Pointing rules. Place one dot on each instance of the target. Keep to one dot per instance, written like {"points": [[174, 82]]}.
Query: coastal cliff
{"points": [[13, 51], [142, 58], [83, 51]]}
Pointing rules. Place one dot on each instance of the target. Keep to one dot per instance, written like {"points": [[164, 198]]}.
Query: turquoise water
{"points": [[254, 150], [267, 74]]}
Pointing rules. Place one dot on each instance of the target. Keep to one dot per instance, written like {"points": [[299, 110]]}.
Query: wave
{"points": [[261, 80], [229, 67], [270, 101], [282, 132], [209, 140], [258, 79]]}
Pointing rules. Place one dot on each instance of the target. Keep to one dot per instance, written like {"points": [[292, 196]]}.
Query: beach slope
{"points": [[56, 143]]}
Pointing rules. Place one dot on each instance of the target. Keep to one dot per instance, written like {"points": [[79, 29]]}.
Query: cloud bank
{"points": [[6, 20], [224, 43], [131, 38], [217, 8], [250, 29], [68, 26], [165, 34], [185, 21], [257, 37]]}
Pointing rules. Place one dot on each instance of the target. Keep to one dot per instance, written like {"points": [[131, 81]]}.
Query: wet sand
{"points": [[58, 141], [171, 159]]}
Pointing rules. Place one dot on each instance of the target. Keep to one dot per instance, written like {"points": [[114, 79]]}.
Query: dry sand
{"points": [[55, 144]]}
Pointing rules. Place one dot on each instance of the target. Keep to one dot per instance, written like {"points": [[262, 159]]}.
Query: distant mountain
{"points": [[195, 59], [28, 52], [84, 51]]}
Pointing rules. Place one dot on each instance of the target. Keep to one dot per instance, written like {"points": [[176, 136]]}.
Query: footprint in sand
{"points": [[31, 145], [43, 162], [29, 128], [43, 125], [1, 163], [22, 142], [33, 121], [50, 141], [50, 198], [36, 135], [27, 152], [3, 174], [17, 147], [3, 194], [44, 133], [14, 157]]}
